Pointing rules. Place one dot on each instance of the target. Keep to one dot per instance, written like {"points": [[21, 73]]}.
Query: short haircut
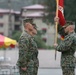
{"points": [[27, 20]]}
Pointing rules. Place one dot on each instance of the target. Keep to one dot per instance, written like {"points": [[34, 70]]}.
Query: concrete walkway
{"points": [[47, 63], [46, 57], [51, 72]]}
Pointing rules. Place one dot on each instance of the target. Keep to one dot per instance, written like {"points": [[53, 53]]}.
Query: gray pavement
{"points": [[46, 57], [47, 63], [51, 72]]}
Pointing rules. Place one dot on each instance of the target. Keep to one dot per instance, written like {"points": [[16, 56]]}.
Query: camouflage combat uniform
{"points": [[28, 55], [68, 47]]}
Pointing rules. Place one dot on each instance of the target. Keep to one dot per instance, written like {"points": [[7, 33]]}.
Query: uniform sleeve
{"points": [[65, 45], [23, 52], [74, 40]]}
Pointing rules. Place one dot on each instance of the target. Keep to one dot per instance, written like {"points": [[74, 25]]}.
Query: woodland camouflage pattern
{"points": [[28, 55], [68, 47]]}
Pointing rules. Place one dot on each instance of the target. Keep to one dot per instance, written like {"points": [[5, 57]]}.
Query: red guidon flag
{"points": [[61, 12]]}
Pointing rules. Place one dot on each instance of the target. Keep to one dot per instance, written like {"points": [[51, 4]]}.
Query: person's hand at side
{"points": [[24, 68]]}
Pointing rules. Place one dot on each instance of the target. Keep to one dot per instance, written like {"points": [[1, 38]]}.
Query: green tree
{"points": [[70, 10], [16, 35], [50, 11], [40, 43]]}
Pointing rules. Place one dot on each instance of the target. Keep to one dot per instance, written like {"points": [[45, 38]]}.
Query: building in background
{"points": [[17, 20], [4, 21], [5, 26]]}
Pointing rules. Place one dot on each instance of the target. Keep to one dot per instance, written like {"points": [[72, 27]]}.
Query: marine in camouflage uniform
{"points": [[68, 47], [28, 55]]}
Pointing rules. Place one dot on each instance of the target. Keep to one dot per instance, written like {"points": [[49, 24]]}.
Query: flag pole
{"points": [[56, 26]]}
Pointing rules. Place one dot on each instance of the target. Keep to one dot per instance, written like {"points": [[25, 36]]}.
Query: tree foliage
{"points": [[70, 10], [16, 35], [51, 5], [40, 43]]}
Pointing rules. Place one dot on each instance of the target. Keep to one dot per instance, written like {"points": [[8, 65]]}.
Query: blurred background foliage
{"points": [[40, 43]]}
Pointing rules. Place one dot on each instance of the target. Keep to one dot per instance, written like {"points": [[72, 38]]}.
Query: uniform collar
{"points": [[70, 34], [25, 32]]}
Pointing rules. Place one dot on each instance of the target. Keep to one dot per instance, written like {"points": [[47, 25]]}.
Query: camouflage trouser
{"points": [[35, 71], [29, 71], [68, 71]]}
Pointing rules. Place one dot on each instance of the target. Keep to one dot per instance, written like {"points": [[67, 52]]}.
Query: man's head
{"points": [[27, 20], [30, 27], [69, 27]]}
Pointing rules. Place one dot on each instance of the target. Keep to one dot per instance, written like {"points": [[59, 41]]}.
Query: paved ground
{"points": [[46, 57], [47, 63], [51, 72]]}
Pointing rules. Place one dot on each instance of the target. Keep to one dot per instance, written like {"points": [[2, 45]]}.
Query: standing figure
{"points": [[28, 52], [67, 48]]}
